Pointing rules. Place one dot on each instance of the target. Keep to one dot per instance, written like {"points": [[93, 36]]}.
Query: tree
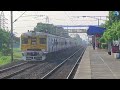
{"points": [[51, 29], [113, 18], [112, 27], [41, 27], [4, 41]]}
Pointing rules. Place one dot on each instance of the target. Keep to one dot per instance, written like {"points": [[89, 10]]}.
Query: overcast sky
{"points": [[55, 17]]}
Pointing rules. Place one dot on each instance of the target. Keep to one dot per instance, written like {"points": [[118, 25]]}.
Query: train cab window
{"points": [[33, 40], [24, 40], [42, 40]]}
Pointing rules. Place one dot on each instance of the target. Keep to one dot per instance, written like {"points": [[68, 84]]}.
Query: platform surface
{"points": [[97, 64]]}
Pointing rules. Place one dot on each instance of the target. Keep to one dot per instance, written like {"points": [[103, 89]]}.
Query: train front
{"points": [[33, 46]]}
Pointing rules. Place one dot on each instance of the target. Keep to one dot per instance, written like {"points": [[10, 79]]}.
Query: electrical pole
{"points": [[0, 20], [47, 19], [11, 36], [98, 22]]}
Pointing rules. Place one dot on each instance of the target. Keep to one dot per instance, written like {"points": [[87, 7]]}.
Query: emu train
{"points": [[36, 45]]}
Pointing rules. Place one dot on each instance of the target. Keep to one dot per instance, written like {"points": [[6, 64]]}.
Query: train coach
{"points": [[36, 45]]}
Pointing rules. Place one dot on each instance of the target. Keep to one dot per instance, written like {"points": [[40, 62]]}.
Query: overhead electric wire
{"points": [[72, 19], [19, 16], [68, 17]]}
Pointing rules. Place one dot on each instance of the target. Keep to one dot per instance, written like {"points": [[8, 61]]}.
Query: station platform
{"points": [[97, 64]]}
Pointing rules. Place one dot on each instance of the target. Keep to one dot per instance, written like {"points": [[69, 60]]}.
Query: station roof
{"points": [[92, 30]]}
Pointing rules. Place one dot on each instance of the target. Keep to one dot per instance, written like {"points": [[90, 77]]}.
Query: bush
{"points": [[104, 46], [6, 51], [5, 60]]}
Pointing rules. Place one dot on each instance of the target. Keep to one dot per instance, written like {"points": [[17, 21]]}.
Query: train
{"points": [[36, 45]]}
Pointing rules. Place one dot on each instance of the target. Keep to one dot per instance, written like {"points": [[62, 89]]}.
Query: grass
{"points": [[17, 53], [7, 59], [4, 60]]}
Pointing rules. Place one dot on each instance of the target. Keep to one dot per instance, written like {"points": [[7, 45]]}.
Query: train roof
{"points": [[30, 33]]}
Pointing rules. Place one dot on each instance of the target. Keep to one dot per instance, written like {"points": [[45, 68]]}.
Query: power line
{"points": [[98, 18], [94, 17], [33, 15], [30, 20], [72, 19], [25, 26], [68, 17], [19, 17]]}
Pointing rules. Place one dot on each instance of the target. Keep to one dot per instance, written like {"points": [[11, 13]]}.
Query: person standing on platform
{"points": [[94, 46], [109, 48]]}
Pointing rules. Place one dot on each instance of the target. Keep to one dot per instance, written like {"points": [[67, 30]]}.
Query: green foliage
{"points": [[7, 59], [51, 29], [112, 27], [17, 53], [4, 39], [106, 25], [4, 60], [44, 28], [102, 40], [113, 18], [5, 50], [113, 32], [103, 45]]}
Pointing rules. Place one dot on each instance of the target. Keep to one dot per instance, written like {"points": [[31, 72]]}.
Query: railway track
{"points": [[73, 70], [6, 69], [33, 73], [59, 71], [16, 69]]}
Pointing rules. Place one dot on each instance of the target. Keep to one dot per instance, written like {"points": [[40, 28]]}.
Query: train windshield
{"points": [[42, 40], [25, 40]]}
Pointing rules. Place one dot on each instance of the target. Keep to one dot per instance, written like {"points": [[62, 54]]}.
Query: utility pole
{"points": [[0, 20], [47, 19], [98, 22], [11, 36]]}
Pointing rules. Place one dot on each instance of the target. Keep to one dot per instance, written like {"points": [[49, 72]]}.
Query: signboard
{"points": [[77, 30], [115, 47]]}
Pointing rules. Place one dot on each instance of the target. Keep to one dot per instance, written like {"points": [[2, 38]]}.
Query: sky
{"points": [[30, 19]]}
